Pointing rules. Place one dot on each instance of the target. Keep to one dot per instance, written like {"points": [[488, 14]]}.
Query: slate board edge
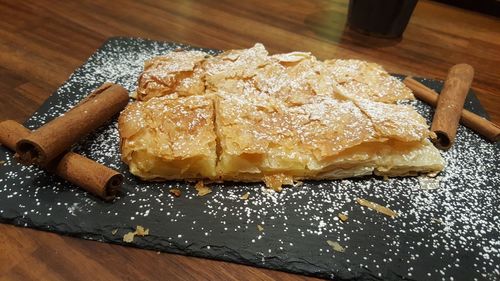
{"points": [[19, 221]]}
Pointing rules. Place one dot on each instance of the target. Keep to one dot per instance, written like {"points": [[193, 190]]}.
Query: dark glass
{"points": [[383, 18]]}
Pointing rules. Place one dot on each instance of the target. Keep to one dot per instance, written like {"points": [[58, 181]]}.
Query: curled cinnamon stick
{"points": [[450, 104], [91, 176], [469, 119], [57, 136]]}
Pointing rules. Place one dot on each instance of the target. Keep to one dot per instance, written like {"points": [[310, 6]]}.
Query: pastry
{"points": [[245, 115], [169, 137]]}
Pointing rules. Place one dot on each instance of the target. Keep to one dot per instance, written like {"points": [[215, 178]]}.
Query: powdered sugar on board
{"points": [[445, 233]]}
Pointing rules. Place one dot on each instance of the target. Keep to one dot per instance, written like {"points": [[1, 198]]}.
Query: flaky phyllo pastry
{"points": [[245, 115]]}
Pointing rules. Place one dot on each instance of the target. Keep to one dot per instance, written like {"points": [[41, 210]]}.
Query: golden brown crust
{"points": [[176, 72], [169, 137], [367, 80], [246, 116]]}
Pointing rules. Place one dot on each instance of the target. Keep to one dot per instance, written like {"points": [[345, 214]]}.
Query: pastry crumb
{"points": [[175, 192], [139, 231], [260, 228], [437, 221], [114, 231], [298, 183], [202, 189], [276, 182], [129, 237], [379, 208], [335, 246], [245, 196], [343, 217]]}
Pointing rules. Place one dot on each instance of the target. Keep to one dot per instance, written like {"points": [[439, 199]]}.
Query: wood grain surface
{"points": [[42, 42]]}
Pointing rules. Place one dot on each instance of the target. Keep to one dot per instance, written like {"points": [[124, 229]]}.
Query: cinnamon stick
{"points": [[450, 105], [11, 132], [469, 119], [57, 136], [91, 176]]}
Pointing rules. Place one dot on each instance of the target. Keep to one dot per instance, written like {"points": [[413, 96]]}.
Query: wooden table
{"points": [[42, 42]]}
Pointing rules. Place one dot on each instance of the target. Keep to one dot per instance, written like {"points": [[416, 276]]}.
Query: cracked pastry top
{"points": [[245, 115]]}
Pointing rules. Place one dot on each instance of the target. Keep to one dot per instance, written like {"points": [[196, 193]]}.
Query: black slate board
{"points": [[448, 233]]}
